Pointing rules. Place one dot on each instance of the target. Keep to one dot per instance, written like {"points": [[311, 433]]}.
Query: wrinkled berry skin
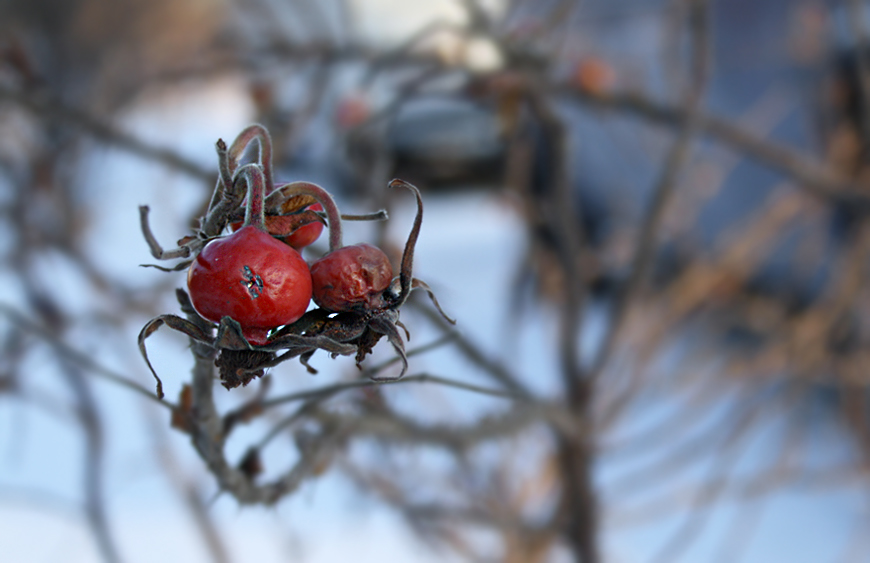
{"points": [[258, 281], [351, 278]]}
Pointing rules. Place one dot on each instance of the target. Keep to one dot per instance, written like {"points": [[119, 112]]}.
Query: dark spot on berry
{"points": [[252, 282]]}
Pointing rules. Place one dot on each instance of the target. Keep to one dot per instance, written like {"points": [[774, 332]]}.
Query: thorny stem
{"points": [[208, 436], [333, 216], [250, 133], [408, 254]]}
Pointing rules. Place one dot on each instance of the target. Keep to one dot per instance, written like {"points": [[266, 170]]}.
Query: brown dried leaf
{"points": [[283, 225], [295, 203], [173, 322], [181, 415]]}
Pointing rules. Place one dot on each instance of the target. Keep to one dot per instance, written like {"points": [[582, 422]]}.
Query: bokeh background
{"points": [[649, 219]]}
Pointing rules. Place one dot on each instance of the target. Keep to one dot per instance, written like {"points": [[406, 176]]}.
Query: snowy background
{"points": [[472, 245]]}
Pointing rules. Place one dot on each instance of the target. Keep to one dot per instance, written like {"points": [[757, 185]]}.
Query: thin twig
{"points": [[492, 367], [327, 391], [437, 343], [45, 106], [810, 175], [79, 358], [93, 470], [857, 16], [666, 185]]}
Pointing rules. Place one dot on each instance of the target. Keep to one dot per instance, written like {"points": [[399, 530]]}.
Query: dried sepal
{"points": [[384, 326], [230, 337], [288, 204], [303, 359], [420, 284], [240, 367], [154, 246], [407, 267], [173, 322], [296, 344], [365, 343], [181, 266]]}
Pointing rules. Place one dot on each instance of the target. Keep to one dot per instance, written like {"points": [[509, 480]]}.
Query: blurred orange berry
{"points": [[352, 110], [593, 76]]}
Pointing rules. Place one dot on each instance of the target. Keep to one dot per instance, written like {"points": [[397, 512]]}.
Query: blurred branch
{"points": [[744, 526], [188, 489], [93, 471], [404, 52], [396, 428], [328, 391], [857, 18], [743, 488], [695, 405], [82, 360], [724, 462], [44, 106], [680, 450], [816, 178], [496, 370], [645, 240]]}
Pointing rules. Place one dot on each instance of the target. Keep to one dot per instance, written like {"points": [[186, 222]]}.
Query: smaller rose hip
{"points": [[351, 278], [357, 283]]}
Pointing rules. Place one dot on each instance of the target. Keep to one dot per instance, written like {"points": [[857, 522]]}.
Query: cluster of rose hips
{"points": [[254, 285]]}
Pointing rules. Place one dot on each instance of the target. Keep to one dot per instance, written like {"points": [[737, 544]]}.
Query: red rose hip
{"points": [[258, 281], [249, 276], [351, 278]]}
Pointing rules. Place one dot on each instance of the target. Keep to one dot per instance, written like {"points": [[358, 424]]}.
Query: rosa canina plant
{"points": [[248, 291]]}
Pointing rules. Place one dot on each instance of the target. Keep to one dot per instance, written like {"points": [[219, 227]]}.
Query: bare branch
{"points": [[78, 358], [43, 105]]}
